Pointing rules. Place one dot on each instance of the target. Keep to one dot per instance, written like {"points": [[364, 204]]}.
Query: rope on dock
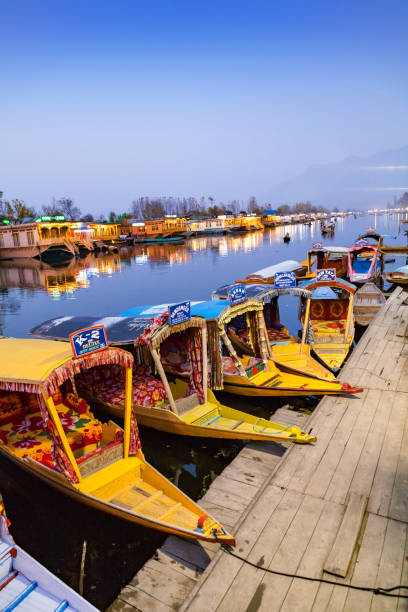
{"points": [[375, 590]]}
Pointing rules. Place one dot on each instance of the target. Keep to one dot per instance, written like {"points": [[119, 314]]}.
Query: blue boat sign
{"points": [[284, 280], [316, 246], [327, 275], [237, 294], [89, 340], [361, 242], [179, 313]]}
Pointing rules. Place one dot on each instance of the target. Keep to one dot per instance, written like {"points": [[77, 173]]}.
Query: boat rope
{"points": [[375, 590]]}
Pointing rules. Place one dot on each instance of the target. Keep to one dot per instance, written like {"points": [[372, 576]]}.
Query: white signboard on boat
{"points": [[326, 275]]}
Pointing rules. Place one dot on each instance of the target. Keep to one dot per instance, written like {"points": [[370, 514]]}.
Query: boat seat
{"points": [[28, 438]]}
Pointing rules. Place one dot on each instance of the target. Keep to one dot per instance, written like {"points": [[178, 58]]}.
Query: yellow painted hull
{"points": [[276, 383], [396, 249], [211, 420], [133, 490], [396, 280]]}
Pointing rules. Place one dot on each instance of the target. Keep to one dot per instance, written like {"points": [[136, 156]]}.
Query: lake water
{"points": [[44, 522]]}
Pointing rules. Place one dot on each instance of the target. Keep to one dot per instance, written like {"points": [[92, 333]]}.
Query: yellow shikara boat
{"points": [[285, 350], [328, 318], [48, 430], [378, 240], [183, 406], [398, 276], [246, 374]]}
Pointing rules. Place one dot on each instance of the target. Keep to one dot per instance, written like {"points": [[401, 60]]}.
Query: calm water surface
{"points": [[54, 528]]}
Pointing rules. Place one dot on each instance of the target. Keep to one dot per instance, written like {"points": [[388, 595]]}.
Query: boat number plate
{"points": [[283, 280], [89, 340], [326, 275], [179, 313], [237, 294]]}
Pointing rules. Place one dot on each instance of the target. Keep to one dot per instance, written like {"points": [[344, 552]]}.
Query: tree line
{"points": [[151, 208]]}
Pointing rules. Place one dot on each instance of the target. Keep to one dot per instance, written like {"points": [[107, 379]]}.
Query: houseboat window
{"points": [[63, 230], [1, 240], [44, 233], [54, 232], [30, 237], [16, 239]]}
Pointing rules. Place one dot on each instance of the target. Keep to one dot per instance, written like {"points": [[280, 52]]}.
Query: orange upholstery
{"points": [[328, 310]]}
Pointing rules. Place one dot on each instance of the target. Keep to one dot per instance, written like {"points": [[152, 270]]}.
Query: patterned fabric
{"points": [[329, 310], [153, 325], [237, 363], [195, 354], [214, 356], [134, 438], [106, 384]]}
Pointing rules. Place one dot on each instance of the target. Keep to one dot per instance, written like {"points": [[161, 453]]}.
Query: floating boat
{"points": [[367, 302], [398, 276], [378, 240], [184, 406], [329, 320], [266, 275], [285, 350], [246, 374], [51, 432], [333, 257], [365, 263], [286, 238], [26, 585]]}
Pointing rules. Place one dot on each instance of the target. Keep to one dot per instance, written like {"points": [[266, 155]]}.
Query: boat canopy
{"points": [[29, 364], [260, 292], [331, 249], [339, 283], [357, 248], [401, 270], [119, 330], [288, 265]]}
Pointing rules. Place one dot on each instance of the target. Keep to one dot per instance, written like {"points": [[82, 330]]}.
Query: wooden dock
{"points": [[337, 510]]}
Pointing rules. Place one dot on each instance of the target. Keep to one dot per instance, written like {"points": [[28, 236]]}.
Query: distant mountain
{"points": [[356, 181]]}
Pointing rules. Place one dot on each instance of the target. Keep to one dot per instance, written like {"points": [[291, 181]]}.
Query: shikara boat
{"points": [[367, 302], [329, 320], [333, 257], [184, 405], [285, 350], [26, 585], [365, 263], [376, 239], [398, 276], [50, 431], [266, 275], [243, 374]]}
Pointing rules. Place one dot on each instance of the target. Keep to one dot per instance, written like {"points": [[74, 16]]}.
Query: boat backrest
{"points": [[328, 310], [187, 403]]}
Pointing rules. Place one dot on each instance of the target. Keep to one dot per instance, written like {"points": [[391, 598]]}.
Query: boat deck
{"points": [[337, 510]]}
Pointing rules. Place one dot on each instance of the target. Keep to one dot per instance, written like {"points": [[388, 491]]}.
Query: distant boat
{"points": [[398, 276], [286, 238]]}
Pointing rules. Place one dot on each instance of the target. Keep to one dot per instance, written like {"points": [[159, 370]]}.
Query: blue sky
{"points": [[107, 101]]}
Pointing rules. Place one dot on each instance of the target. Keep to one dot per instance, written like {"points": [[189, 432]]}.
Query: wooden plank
{"points": [[402, 605], [223, 484], [301, 594], [340, 555], [368, 560], [299, 466], [289, 553], [247, 471], [324, 471], [142, 601], [215, 583], [399, 501], [381, 492], [390, 569], [259, 550], [338, 488], [120, 606], [162, 559], [163, 583], [367, 464]]}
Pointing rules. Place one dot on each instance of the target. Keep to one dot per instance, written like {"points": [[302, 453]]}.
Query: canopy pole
{"points": [[205, 362], [305, 324], [67, 449], [164, 380], [349, 315], [128, 411]]}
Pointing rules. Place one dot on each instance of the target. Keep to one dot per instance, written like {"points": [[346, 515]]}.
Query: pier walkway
{"points": [[337, 510]]}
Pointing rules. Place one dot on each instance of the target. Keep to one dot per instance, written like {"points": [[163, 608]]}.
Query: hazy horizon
{"points": [[107, 102]]}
